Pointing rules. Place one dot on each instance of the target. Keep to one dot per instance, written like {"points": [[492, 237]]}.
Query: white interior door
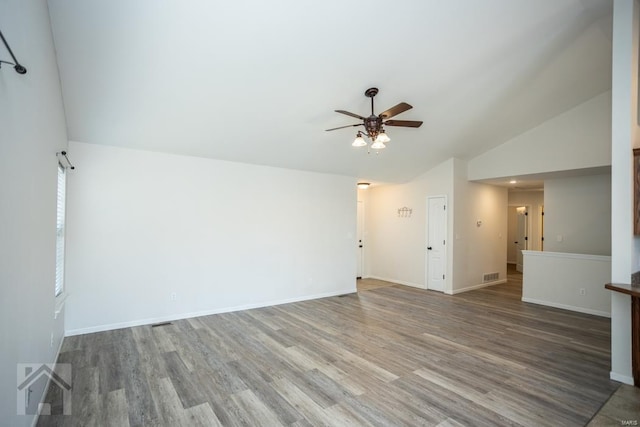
{"points": [[521, 243], [359, 240], [436, 242]]}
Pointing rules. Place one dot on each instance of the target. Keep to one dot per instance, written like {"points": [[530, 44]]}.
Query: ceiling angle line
{"points": [[20, 69]]}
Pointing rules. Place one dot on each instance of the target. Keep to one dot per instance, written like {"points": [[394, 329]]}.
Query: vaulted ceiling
{"points": [[257, 81]]}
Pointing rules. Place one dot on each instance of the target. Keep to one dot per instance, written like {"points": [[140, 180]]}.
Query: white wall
{"points": [[578, 211], [398, 244], [32, 129], [478, 249], [556, 279], [533, 199], [220, 235], [625, 248], [579, 138]]}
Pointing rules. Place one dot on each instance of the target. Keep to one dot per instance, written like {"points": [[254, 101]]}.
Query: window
{"points": [[60, 229]]}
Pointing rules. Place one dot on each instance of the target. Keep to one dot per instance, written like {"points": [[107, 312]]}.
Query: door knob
{"points": [[429, 248]]}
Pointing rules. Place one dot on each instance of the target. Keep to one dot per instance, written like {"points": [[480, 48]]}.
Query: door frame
{"points": [[445, 281], [540, 235], [529, 222], [360, 230]]}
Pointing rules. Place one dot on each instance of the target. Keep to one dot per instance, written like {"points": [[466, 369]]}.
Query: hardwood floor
{"points": [[389, 356], [369, 284]]}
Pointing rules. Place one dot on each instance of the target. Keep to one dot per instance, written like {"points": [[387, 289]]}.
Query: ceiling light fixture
{"points": [[379, 139], [378, 145], [374, 124], [359, 141], [363, 185], [382, 137], [513, 181]]}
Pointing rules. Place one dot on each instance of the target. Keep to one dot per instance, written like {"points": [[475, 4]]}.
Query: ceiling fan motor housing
{"points": [[373, 124]]}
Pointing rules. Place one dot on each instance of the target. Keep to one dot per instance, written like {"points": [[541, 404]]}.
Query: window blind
{"points": [[60, 229]]}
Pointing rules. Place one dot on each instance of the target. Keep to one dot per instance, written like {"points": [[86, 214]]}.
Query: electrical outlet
{"points": [[174, 296], [583, 291]]}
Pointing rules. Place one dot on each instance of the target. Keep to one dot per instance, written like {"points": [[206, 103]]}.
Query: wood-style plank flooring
{"points": [[369, 284], [389, 356]]}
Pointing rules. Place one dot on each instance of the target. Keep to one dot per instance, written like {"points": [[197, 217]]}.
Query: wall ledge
{"points": [[547, 254]]}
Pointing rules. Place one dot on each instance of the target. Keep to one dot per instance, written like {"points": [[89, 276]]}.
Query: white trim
{"points": [[568, 307], [46, 387], [546, 254], [474, 287], [621, 378], [172, 317], [40, 404], [399, 282], [60, 300]]}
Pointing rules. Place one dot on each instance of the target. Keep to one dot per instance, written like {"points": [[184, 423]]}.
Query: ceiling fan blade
{"points": [[349, 114], [342, 127], [394, 111], [404, 123]]}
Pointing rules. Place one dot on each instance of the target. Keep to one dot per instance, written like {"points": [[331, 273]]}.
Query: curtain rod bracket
{"points": [[63, 155]]}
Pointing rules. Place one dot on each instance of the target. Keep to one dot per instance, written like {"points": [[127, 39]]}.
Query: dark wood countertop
{"points": [[625, 288]]}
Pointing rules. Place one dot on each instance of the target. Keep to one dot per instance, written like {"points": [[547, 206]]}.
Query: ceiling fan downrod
{"points": [[371, 92]]}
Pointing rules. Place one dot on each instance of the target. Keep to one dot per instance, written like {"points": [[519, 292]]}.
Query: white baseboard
{"points": [[474, 287], [621, 378], [180, 316], [567, 307], [399, 282]]}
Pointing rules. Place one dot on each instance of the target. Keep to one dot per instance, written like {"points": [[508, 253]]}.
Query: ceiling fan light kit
{"points": [[374, 125], [359, 141], [382, 137], [378, 145]]}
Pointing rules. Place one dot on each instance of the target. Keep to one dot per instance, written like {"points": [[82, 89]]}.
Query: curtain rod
{"points": [[16, 65]]}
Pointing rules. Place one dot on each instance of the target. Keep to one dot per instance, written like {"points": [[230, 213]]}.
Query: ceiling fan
{"points": [[374, 125]]}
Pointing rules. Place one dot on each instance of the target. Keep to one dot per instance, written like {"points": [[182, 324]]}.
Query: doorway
{"points": [[359, 240], [436, 243], [517, 235], [522, 234]]}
